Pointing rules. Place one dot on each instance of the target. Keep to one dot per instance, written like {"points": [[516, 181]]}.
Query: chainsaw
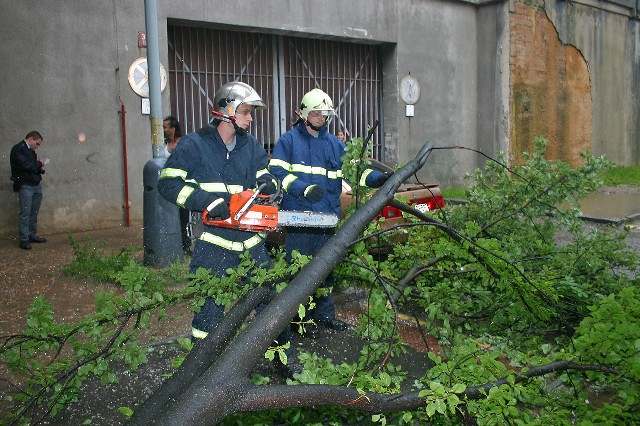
{"points": [[252, 211]]}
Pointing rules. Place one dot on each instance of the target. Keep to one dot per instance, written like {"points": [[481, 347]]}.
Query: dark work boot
{"points": [[25, 245]]}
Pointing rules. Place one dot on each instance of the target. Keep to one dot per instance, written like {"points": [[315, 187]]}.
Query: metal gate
{"points": [[281, 69]]}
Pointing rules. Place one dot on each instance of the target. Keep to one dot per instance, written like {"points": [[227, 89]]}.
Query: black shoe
{"points": [[25, 245], [37, 239], [334, 324]]}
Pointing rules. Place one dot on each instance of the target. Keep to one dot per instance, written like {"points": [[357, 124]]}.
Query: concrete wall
{"points": [[59, 77], [437, 45], [69, 63], [493, 79], [609, 39]]}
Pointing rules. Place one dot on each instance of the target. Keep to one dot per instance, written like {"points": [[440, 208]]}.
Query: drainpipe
{"points": [[123, 132]]}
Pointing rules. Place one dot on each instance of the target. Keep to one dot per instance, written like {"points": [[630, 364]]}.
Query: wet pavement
{"points": [[612, 203]]}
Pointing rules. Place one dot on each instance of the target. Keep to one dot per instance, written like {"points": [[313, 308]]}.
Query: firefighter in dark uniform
{"points": [[205, 169], [308, 161]]}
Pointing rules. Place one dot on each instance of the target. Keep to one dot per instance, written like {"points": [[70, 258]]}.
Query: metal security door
{"points": [[348, 72], [282, 69], [202, 59]]}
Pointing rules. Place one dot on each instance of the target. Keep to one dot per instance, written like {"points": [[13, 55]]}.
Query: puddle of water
{"points": [[610, 205]]}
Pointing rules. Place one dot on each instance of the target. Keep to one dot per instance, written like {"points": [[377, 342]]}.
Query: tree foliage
{"points": [[536, 315]]}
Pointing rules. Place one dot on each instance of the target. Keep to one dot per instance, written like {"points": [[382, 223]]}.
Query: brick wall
{"points": [[550, 87]]}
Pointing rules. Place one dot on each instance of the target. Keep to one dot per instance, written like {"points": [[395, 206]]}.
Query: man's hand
{"points": [[314, 193], [218, 209], [269, 181]]}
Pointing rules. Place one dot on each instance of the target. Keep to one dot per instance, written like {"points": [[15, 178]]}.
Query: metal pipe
{"points": [[125, 173], [153, 66]]}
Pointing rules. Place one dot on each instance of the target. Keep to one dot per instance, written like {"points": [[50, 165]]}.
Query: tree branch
{"points": [[201, 357], [278, 397]]}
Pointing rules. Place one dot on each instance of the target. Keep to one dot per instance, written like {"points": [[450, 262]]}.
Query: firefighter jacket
{"points": [[201, 171], [300, 160]]}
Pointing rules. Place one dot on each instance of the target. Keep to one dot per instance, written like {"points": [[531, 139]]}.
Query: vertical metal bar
{"points": [[215, 56], [258, 81], [183, 95], [354, 124], [258, 77], [193, 112], [293, 96], [377, 90], [205, 48], [199, 73], [319, 63], [354, 91], [343, 91], [274, 81], [365, 110], [219, 59], [176, 95]]}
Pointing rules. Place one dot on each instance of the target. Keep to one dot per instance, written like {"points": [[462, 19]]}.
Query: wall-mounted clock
{"points": [[139, 77], [409, 90]]}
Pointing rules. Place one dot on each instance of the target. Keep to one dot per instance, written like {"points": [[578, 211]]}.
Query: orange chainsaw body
{"points": [[260, 217]]}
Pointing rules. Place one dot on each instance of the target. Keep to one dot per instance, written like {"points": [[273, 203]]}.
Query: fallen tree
{"points": [[506, 302]]}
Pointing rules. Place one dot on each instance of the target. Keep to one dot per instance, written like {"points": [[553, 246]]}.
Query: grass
{"points": [[618, 175], [454, 192], [622, 175]]}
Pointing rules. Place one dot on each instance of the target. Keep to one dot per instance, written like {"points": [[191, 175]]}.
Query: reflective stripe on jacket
{"points": [[201, 171], [300, 159]]}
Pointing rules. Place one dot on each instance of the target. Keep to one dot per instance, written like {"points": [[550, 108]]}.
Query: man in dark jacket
{"points": [[26, 174], [308, 161], [202, 173]]}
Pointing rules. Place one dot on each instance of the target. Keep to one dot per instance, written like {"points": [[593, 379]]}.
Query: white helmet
{"points": [[316, 100]]}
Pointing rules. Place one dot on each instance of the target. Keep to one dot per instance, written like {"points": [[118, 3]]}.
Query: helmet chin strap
{"points": [[229, 119], [239, 129], [316, 128]]}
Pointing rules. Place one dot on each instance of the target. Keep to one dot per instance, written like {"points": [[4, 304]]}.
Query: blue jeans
{"points": [[30, 199]]}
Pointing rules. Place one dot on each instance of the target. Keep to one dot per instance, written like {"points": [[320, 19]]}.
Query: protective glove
{"points": [[270, 187], [380, 179], [313, 193], [218, 209]]}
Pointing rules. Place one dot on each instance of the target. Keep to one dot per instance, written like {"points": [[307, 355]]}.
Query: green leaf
{"points": [[125, 411], [185, 343], [458, 388], [283, 357], [302, 312], [375, 418], [431, 409]]}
